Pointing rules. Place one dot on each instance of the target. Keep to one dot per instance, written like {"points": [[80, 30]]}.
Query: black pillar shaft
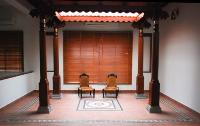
{"points": [[140, 77], [154, 85], [56, 76], [43, 84]]}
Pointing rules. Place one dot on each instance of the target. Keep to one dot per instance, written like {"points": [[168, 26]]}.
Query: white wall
{"points": [[14, 88], [179, 67], [105, 27]]}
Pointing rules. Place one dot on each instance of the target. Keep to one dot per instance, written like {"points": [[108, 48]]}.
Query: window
{"points": [[97, 54], [11, 51]]}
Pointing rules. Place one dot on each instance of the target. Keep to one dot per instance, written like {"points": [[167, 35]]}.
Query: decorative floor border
{"points": [[181, 117], [103, 122]]}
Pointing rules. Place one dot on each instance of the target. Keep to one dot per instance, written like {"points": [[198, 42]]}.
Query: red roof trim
{"points": [[98, 18]]}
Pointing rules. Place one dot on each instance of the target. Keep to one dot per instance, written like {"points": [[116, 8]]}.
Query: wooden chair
{"points": [[111, 85], [84, 85]]}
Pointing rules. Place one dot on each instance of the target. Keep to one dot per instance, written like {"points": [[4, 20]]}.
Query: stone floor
{"points": [[64, 113]]}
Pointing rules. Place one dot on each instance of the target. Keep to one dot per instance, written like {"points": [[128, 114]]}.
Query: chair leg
{"points": [[93, 93], [90, 92], [117, 92], [103, 93], [78, 91], [81, 93]]}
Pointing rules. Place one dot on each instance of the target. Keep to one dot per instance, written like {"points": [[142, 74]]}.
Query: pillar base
{"points": [[140, 96], [44, 109], [56, 96], [153, 109]]}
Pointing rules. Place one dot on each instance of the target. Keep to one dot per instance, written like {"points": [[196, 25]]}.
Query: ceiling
{"points": [[106, 6]]}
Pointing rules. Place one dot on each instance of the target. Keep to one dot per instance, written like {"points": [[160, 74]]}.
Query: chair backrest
{"points": [[112, 80], [84, 80]]}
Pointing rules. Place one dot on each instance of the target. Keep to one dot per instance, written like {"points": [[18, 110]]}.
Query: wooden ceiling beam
{"points": [[114, 6], [100, 8]]}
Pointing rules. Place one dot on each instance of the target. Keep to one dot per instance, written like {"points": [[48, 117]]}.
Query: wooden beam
{"points": [[16, 4], [50, 33], [100, 8]]}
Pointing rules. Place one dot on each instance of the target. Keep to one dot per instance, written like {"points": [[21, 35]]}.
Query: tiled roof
{"points": [[99, 16]]}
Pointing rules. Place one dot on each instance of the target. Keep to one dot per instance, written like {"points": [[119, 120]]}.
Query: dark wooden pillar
{"points": [[44, 106], [154, 85], [140, 77], [56, 77]]}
